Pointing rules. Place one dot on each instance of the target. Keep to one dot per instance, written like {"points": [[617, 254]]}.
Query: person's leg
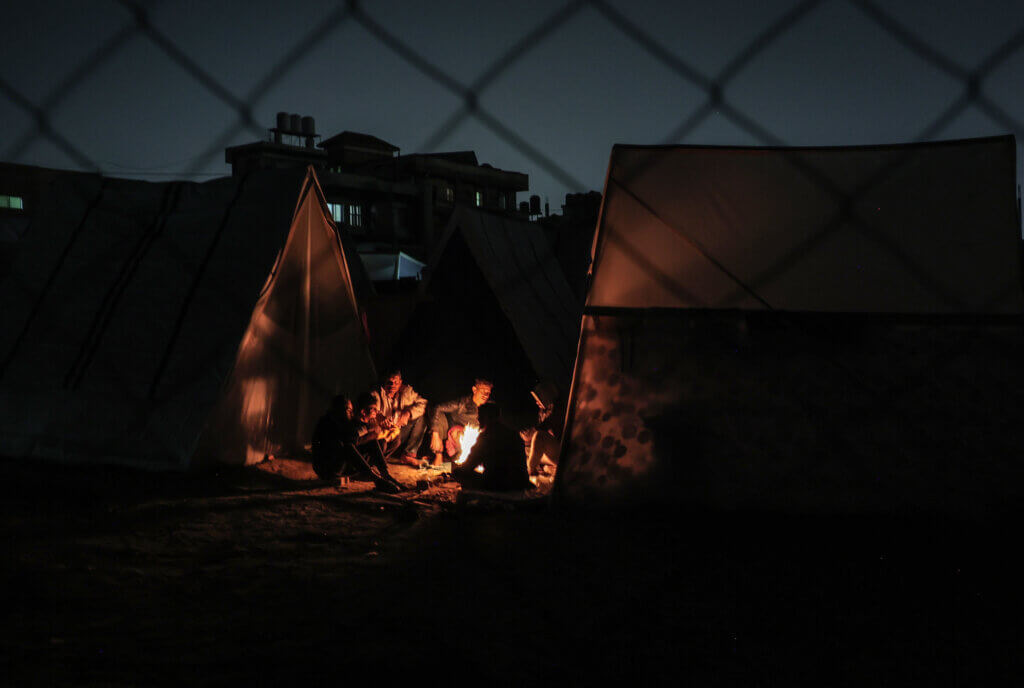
{"points": [[527, 434], [440, 428], [372, 454], [327, 464], [357, 462], [543, 449], [412, 437], [370, 459]]}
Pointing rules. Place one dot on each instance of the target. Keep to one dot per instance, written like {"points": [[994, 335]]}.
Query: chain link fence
{"points": [[717, 92], [980, 87]]}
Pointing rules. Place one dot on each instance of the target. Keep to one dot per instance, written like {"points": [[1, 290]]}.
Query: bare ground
{"points": [[264, 576]]}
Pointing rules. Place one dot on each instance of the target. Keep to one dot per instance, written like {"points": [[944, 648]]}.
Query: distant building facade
{"points": [[21, 188], [391, 203], [571, 235]]}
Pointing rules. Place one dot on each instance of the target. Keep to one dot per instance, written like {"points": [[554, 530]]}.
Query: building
{"points": [[21, 189], [571, 235], [394, 204]]}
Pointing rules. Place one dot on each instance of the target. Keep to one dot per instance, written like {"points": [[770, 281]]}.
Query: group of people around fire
{"points": [[391, 424]]}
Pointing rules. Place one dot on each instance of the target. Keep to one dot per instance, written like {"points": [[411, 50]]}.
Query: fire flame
{"points": [[469, 436]]}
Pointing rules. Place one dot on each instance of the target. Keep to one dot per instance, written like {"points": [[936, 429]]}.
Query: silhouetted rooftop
{"points": [[352, 138]]}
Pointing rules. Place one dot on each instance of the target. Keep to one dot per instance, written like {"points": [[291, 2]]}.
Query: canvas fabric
{"points": [[925, 228], [121, 319], [748, 342], [494, 303]]}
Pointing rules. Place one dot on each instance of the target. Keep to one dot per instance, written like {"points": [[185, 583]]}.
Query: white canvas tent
{"points": [[142, 322], [790, 327]]}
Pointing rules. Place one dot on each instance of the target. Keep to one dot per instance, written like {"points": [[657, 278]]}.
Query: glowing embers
{"points": [[469, 437]]}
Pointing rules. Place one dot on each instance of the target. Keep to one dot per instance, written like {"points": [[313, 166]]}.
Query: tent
{"points": [[493, 303], [148, 324], [802, 329], [391, 267]]}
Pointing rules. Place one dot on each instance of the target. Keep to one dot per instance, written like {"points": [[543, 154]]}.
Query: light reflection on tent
{"points": [[759, 334], [154, 323]]}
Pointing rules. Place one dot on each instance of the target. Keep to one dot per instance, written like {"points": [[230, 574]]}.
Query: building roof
{"points": [[354, 139], [463, 165], [461, 157]]}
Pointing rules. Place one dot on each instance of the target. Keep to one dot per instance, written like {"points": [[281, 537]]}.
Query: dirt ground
{"points": [[264, 576]]}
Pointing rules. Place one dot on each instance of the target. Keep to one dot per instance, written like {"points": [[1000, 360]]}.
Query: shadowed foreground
{"points": [[123, 578]]}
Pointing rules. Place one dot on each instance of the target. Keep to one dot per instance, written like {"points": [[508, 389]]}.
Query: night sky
{"points": [[831, 76]]}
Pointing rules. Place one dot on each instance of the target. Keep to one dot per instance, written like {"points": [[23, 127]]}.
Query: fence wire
{"points": [[969, 92], [714, 86]]}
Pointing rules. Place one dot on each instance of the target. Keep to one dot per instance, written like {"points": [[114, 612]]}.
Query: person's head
{"points": [[489, 414], [366, 407], [342, 405], [482, 391], [393, 381]]}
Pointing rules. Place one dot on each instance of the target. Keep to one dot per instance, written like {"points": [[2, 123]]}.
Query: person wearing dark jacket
{"points": [[449, 418], [499, 449], [344, 445]]}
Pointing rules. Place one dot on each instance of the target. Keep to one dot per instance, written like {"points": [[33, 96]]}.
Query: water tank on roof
{"points": [[308, 126], [294, 124], [282, 121], [535, 204], [524, 208]]}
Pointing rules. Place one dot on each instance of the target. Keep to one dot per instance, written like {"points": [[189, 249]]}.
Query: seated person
{"points": [[499, 450], [405, 410], [451, 417], [345, 445], [545, 439]]}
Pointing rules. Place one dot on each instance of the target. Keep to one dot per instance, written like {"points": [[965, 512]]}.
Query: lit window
{"points": [[479, 199], [447, 194], [12, 202], [355, 215], [336, 211]]}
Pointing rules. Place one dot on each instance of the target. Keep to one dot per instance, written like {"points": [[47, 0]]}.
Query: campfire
{"points": [[469, 437]]}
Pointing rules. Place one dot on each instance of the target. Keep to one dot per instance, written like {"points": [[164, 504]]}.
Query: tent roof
{"points": [[517, 261], [920, 228]]}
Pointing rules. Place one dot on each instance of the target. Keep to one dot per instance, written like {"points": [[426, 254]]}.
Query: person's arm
{"points": [[467, 413], [364, 432], [441, 409], [417, 404], [448, 406], [370, 431]]}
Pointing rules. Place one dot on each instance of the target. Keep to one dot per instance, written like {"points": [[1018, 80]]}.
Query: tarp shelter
{"points": [[391, 267], [802, 328], [143, 323], [494, 303]]}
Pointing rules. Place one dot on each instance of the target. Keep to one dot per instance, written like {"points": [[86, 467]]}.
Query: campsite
{"points": [[790, 453]]}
